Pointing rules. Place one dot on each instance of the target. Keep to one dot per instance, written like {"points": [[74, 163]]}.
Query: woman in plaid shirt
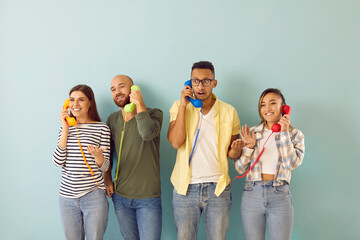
{"points": [[266, 195]]}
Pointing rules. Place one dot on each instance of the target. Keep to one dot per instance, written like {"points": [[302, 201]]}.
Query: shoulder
{"points": [[225, 106], [175, 105], [113, 116], [154, 111], [258, 128], [103, 126]]}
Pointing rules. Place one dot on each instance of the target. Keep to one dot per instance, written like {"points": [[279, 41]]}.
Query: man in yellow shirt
{"points": [[203, 137]]}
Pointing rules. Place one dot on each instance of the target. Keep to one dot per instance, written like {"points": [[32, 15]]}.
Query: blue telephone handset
{"points": [[195, 102]]}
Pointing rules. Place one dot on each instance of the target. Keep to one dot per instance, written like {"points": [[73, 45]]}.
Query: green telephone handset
{"points": [[131, 106]]}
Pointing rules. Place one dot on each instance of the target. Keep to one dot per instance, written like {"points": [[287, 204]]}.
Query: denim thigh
{"points": [[262, 202], [139, 218], [200, 198], [85, 216]]}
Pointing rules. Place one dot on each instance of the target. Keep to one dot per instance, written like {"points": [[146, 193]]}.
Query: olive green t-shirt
{"points": [[139, 170]]}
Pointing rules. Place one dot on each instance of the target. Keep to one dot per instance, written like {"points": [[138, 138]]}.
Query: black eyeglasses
{"points": [[205, 82]]}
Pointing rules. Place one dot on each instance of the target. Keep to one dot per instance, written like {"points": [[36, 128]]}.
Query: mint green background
{"points": [[308, 49]]}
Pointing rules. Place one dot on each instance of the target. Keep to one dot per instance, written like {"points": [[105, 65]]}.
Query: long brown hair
{"points": [[93, 113], [277, 92]]}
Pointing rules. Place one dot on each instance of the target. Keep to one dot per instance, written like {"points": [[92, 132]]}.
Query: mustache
{"points": [[120, 95]]}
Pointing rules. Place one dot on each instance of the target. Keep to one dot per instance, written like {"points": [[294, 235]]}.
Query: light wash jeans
{"points": [[200, 198], [85, 216], [262, 202], [138, 218]]}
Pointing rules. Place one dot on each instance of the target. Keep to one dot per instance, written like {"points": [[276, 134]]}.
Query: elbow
{"points": [[150, 135], [175, 144]]}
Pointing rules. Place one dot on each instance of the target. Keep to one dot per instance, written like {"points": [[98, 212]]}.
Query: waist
{"points": [[267, 177]]}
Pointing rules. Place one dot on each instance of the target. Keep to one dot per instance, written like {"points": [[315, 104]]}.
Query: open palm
{"points": [[248, 137]]}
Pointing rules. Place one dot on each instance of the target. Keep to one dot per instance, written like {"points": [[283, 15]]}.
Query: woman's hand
{"points": [[97, 153], [285, 122], [248, 137], [63, 115]]}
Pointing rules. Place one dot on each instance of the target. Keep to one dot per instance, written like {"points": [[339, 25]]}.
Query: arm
{"points": [[109, 184], [60, 153], [101, 154], [243, 163], [149, 124], [177, 128], [292, 149]]}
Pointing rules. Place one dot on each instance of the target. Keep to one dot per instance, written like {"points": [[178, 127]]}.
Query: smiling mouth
{"points": [[268, 114]]}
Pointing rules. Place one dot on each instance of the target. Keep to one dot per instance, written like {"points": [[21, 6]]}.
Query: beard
{"points": [[122, 103]]}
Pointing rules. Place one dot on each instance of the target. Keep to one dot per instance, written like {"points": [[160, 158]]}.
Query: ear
{"points": [[214, 83]]}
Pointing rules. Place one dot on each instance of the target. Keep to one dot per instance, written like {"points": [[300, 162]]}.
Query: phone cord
{"points": [[252, 166], [120, 148], [82, 152], [197, 135]]}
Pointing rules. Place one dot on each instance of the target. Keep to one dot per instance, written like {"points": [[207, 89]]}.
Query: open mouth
{"points": [[200, 94]]}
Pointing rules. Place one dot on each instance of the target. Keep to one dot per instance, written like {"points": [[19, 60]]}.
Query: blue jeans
{"points": [[138, 218], [262, 201], [200, 198], [85, 216]]}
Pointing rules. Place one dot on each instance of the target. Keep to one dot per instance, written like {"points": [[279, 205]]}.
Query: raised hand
{"points": [[248, 137], [185, 93], [285, 122]]}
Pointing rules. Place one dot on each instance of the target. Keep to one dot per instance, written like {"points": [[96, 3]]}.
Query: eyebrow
{"points": [[271, 100], [120, 84]]}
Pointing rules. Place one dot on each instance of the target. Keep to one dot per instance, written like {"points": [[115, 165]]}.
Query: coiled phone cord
{"points": [[120, 148], [252, 166], [197, 135], [82, 152]]}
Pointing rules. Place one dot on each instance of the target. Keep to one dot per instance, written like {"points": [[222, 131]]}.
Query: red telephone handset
{"points": [[70, 120], [286, 109]]}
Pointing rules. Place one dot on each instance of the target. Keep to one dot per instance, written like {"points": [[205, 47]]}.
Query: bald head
{"points": [[120, 89], [123, 79]]}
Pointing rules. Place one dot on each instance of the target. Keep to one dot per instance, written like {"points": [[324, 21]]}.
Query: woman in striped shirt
{"points": [[83, 152], [266, 196]]}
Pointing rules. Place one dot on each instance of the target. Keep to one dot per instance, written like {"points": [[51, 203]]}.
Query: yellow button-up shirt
{"points": [[227, 123]]}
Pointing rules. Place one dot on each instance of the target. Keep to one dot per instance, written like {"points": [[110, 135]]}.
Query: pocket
{"points": [[282, 189], [249, 186]]}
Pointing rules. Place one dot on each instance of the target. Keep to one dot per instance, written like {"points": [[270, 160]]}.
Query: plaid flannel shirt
{"points": [[291, 149]]}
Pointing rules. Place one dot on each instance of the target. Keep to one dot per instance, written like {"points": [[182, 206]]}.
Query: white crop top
{"points": [[270, 157]]}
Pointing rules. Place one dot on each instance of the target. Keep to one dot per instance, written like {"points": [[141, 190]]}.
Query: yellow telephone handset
{"points": [[70, 120]]}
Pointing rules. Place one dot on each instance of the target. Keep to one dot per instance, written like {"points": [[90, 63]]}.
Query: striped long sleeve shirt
{"points": [[291, 149], [76, 177]]}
